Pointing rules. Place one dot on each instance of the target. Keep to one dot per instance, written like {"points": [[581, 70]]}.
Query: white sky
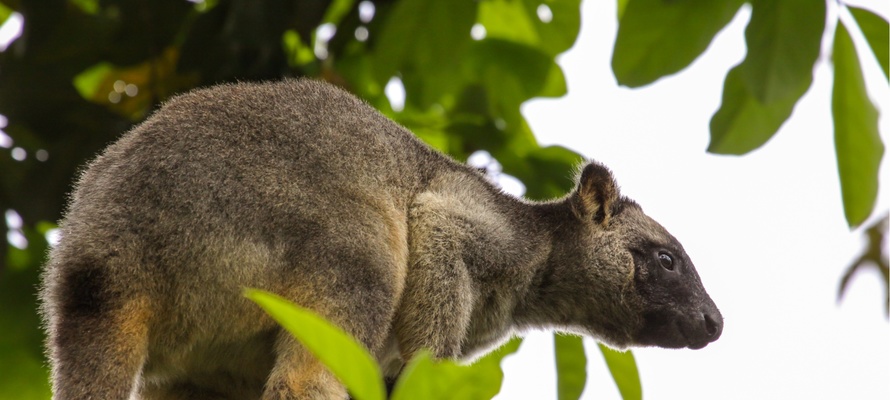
{"points": [[766, 230]]}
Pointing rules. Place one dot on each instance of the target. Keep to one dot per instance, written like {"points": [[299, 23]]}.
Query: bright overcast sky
{"points": [[766, 230]]}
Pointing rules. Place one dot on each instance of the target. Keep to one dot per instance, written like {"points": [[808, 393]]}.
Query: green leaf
{"points": [[424, 378], [550, 172], [87, 6], [876, 32], [513, 73], [348, 360], [743, 123], [34, 254], [88, 82], [620, 6], [520, 22], [5, 12], [554, 83], [856, 137], [495, 357], [658, 38], [424, 42], [571, 366], [299, 53], [783, 39], [624, 371], [24, 373], [337, 10], [760, 93], [541, 169]]}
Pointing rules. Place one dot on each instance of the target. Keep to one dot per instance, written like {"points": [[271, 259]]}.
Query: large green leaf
{"points": [[624, 371], [571, 366], [876, 32], [344, 357], [425, 378], [520, 22], [856, 137], [783, 39], [743, 123], [658, 38], [424, 42], [511, 74]]}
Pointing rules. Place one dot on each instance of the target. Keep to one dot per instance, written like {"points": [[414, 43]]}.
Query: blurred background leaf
{"points": [[877, 32], [856, 137]]}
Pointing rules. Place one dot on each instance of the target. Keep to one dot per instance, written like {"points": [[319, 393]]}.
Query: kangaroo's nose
{"points": [[713, 324]]}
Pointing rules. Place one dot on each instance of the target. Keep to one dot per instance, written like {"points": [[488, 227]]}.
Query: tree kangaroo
{"points": [[300, 189]]}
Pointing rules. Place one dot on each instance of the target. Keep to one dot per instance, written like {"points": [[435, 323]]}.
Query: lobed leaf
{"points": [[348, 360], [658, 38], [876, 32], [571, 366], [856, 137], [624, 371], [783, 39]]}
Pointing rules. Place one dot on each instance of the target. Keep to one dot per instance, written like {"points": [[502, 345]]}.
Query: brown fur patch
{"points": [[299, 375], [131, 322], [396, 224]]}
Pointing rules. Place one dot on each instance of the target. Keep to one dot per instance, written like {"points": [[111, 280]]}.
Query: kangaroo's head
{"points": [[627, 280]]}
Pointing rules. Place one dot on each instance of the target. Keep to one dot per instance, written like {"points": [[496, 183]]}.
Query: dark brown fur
{"points": [[300, 189]]}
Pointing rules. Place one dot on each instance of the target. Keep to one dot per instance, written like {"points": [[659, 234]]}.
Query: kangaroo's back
{"points": [[294, 187]]}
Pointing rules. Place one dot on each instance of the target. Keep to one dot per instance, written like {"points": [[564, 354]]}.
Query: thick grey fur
{"points": [[301, 189]]}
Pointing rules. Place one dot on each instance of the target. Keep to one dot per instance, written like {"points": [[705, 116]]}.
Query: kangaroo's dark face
{"points": [[644, 286], [676, 310]]}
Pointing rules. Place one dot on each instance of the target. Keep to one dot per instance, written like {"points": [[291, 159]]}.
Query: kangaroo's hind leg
{"points": [[355, 280], [98, 336]]}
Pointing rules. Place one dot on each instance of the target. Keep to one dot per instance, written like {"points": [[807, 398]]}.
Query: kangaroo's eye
{"points": [[666, 261]]}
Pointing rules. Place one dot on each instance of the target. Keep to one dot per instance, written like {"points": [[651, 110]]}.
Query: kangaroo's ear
{"points": [[595, 194]]}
